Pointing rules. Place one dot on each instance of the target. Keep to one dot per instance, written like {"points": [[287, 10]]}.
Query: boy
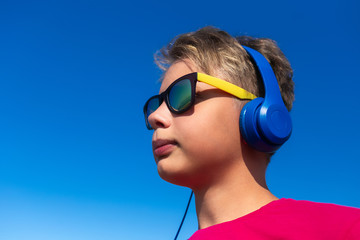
{"points": [[199, 143]]}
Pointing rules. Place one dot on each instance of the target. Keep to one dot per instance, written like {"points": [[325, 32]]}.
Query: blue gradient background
{"points": [[75, 156]]}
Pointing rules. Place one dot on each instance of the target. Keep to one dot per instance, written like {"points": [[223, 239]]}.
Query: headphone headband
{"points": [[267, 74]]}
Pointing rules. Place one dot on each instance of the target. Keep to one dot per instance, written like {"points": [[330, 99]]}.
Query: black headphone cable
{"points": [[186, 210]]}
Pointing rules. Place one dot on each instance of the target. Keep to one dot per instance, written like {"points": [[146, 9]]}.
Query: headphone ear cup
{"points": [[249, 127], [274, 123]]}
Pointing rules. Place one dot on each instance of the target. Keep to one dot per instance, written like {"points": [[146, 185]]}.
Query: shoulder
{"points": [[307, 213], [315, 208], [287, 218], [338, 220]]}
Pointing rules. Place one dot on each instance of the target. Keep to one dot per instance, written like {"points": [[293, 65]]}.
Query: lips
{"points": [[163, 147]]}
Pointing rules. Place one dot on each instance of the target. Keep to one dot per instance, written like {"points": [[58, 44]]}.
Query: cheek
{"points": [[209, 141], [210, 135]]}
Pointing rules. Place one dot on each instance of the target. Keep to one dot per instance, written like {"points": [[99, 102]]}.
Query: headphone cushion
{"points": [[249, 127]]}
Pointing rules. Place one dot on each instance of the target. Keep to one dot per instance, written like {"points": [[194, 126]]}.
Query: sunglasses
{"points": [[180, 95]]}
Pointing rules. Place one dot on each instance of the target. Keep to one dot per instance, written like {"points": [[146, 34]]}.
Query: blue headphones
{"points": [[265, 123]]}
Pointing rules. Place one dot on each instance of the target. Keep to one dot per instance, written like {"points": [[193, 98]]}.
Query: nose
{"points": [[161, 117]]}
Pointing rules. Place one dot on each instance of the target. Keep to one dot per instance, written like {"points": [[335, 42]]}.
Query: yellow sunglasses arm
{"points": [[225, 86]]}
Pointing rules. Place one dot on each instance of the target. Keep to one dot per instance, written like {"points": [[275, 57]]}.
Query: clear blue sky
{"points": [[75, 156]]}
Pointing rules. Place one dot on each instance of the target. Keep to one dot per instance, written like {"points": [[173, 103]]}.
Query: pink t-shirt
{"points": [[289, 219]]}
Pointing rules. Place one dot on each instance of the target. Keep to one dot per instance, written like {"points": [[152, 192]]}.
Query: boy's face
{"points": [[199, 146]]}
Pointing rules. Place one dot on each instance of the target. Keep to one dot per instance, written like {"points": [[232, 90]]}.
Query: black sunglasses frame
{"points": [[164, 96]]}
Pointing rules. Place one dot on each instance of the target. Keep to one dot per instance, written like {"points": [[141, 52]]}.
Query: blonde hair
{"points": [[217, 53]]}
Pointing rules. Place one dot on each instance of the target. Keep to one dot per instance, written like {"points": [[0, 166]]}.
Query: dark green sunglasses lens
{"points": [[180, 95], [152, 105]]}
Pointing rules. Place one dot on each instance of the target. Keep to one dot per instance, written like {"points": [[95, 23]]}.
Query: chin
{"points": [[173, 174]]}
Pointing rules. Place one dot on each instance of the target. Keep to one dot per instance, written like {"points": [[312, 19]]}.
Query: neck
{"points": [[238, 193]]}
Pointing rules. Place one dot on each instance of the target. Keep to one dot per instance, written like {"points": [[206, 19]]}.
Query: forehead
{"points": [[175, 71]]}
